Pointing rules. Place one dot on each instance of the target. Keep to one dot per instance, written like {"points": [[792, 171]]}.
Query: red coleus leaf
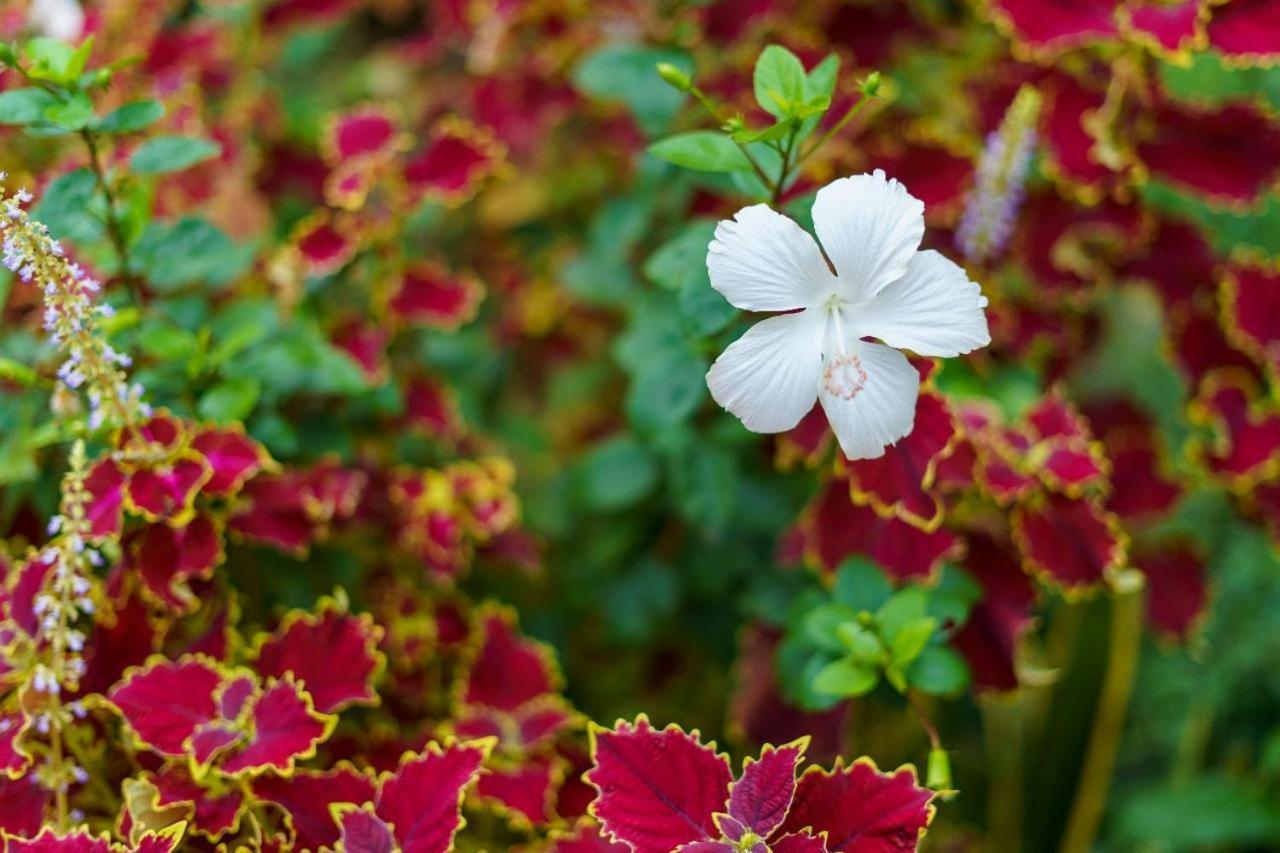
{"points": [[1068, 143], [423, 798], [834, 528], [1069, 247], [49, 841], [332, 653], [105, 509], [457, 157], [292, 509], [307, 797], [658, 789], [1168, 27], [233, 456], [165, 702], [1247, 31], [366, 342], [1179, 264], [1251, 312], [25, 584], [323, 244], [524, 793], [1185, 146], [166, 491], [429, 405], [368, 130], [989, 638], [1177, 592], [761, 796], [13, 758], [508, 669], [285, 728], [429, 294], [159, 434], [860, 809], [1246, 449], [214, 813], [585, 837], [362, 831], [167, 558], [901, 481], [1049, 25], [529, 727], [22, 805], [1071, 543], [1200, 346], [124, 636]]}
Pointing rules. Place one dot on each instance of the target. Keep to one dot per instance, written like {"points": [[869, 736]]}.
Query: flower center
{"points": [[844, 377]]}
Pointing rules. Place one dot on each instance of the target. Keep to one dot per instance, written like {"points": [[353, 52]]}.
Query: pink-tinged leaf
{"points": [[1246, 423], [1072, 467], [332, 653], [423, 798], [365, 832], [717, 847], [165, 492], [215, 814], [322, 244], [105, 509], [213, 739], [367, 130], [124, 638], [22, 805], [657, 789], [989, 638], [1074, 544], [523, 792], [233, 456], [307, 795], [168, 558], [532, 725], [165, 702], [901, 481], [13, 758], [585, 837], [453, 162], [1247, 30], [235, 695], [509, 669], [759, 799], [861, 809], [27, 583], [798, 842], [1177, 591], [49, 841], [431, 295], [285, 728]]}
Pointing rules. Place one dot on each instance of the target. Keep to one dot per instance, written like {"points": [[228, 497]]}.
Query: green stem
{"points": [[702, 98], [836, 128], [115, 230], [785, 170], [1124, 646]]}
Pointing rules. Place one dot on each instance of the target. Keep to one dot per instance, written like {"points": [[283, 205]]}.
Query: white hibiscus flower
{"points": [[882, 287], [59, 19]]}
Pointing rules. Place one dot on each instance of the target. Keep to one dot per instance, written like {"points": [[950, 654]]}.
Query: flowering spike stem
{"points": [[70, 317], [1001, 178]]}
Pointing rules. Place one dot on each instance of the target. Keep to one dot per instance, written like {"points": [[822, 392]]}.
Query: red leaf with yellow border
{"points": [[429, 294], [50, 841], [423, 798], [1247, 31], [760, 798], [508, 669], [860, 809], [22, 805], [306, 797], [234, 457], [1070, 542], [334, 654], [285, 728], [658, 789], [166, 558], [165, 702]]}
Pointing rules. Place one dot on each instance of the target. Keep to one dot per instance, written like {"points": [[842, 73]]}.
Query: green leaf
{"points": [[702, 151], [822, 626], [772, 133], [230, 400], [71, 114], [845, 678], [860, 584], [172, 154], [667, 391], [779, 81], [617, 474], [952, 598], [638, 601], [64, 204], [680, 264], [939, 671], [905, 606], [909, 640], [168, 342], [189, 251], [53, 60], [132, 117], [24, 106], [862, 643], [627, 73]]}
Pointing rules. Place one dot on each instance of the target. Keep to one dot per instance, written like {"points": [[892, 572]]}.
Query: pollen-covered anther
{"points": [[844, 376]]}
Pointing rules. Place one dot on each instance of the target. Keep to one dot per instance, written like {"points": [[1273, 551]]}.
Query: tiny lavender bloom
{"points": [[1001, 180], [882, 287]]}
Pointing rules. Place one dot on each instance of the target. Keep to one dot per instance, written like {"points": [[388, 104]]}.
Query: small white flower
{"points": [[59, 19], [882, 287]]}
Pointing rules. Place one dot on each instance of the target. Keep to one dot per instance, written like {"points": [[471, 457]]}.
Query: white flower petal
{"points": [[769, 376], [762, 261], [934, 310], [870, 227], [869, 396]]}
